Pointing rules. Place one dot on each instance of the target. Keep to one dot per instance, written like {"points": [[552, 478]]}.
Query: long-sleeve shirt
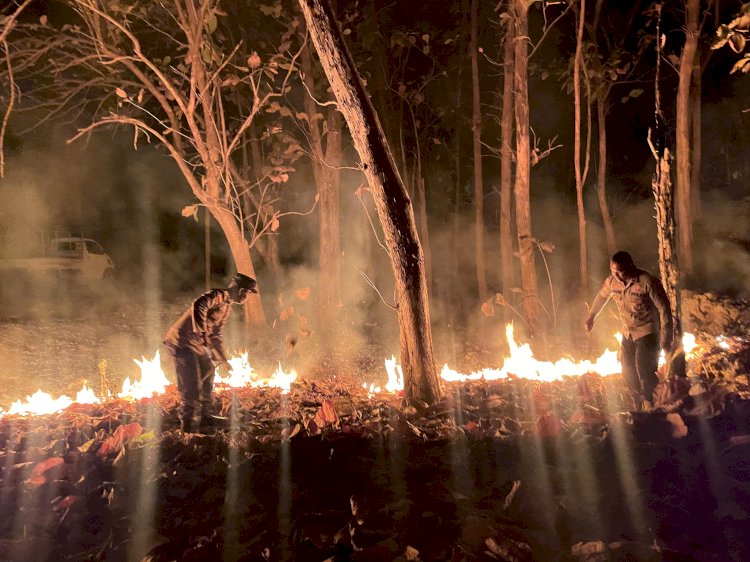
{"points": [[201, 326], [642, 303]]}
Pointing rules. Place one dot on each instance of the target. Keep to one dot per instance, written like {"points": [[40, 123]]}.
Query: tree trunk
{"points": [[421, 382], [506, 168], [476, 130], [325, 164], [683, 199], [668, 258], [254, 314], [695, 126], [424, 230], [266, 246], [601, 179], [522, 189], [577, 63]]}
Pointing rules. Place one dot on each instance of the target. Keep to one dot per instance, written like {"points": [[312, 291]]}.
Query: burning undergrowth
{"points": [[510, 469]]}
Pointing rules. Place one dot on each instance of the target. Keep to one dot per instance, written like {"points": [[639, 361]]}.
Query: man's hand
{"points": [[588, 325], [224, 368]]}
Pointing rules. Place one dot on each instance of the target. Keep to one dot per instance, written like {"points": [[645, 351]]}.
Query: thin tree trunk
{"points": [[476, 130], [666, 230], [668, 258], [522, 189], [506, 168], [267, 246], [695, 125], [683, 199], [424, 231], [577, 63], [325, 165], [601, 179], [421, 382]]}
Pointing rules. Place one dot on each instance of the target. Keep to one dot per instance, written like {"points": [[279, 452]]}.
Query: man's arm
{"points": [[659, 297], [604, 294]]}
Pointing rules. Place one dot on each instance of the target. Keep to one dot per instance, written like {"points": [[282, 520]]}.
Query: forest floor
{"points": [[511, 470]]}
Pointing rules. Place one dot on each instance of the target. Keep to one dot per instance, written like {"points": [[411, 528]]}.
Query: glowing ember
{"points": [[153, 381]]}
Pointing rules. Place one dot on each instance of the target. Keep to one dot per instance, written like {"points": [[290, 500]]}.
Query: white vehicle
{"points": [[79, 258]]}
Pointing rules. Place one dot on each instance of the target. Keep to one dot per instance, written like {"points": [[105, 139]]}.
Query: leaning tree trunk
{"points": [[476, 130], [683, 200], [522, 189], [506, 167], [254, 314], [601, 179], [393, 204]]}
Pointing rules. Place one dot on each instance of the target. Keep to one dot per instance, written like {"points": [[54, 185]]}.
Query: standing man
{"points": [[646, 320], [196, 343]]}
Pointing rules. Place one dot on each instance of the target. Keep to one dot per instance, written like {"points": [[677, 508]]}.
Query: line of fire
{"points": [[429, 281]]}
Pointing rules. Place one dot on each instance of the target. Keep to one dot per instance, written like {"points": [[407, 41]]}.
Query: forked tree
{"points": [[174, 73]]}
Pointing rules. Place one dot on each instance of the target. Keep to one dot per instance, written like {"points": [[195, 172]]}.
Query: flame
{"points": [[40, 403], [521, 363], [86, 396], [153, 381], [241, 374]]}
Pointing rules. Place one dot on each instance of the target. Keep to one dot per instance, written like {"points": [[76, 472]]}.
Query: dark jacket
{"points": [[642, 303], [201, 327]]}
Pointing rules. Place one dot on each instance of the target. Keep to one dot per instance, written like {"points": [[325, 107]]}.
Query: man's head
{"points": [[622, 267], [240, 288]]}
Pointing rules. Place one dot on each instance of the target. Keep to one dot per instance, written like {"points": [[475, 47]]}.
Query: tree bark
{"points": [[506, 167], [421, 382], [601, 179], [476, 130], [522, 189], [695, 126], [683, 199], [254, 315], [668, 258], [425, 229]]}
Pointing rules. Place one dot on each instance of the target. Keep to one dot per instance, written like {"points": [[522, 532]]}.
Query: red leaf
{"points": [[122, 435], [43, 472], [326, 415], [471, 426], [65, 503]]}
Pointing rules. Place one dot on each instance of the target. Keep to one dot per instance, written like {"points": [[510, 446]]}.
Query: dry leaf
{"points": [[253, 61]]}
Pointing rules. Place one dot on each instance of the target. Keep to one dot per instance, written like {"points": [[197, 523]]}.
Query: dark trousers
{"points": [[195, 380], [640, 359]]}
